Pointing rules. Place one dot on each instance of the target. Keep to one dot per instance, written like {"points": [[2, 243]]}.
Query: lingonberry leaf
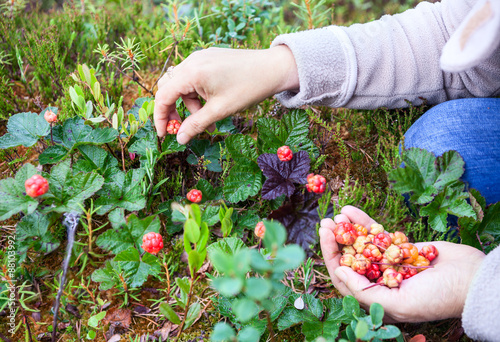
{"points": [[124, 191], [70, 189], [292, 130], [13, 198], [33, 232], [126, 233], [281, 175], [299, 215], [25, 129], [72, 133]]}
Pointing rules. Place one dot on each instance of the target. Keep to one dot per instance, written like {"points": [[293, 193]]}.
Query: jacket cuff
{"points": [[482, 306], [327, 67]]}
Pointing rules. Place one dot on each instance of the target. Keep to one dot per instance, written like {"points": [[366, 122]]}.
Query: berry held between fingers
{"points": [[260, 229], [285, 153], [316, 183], [152, 242], [173, 127], [36, 186], [194, 196], [50, 116]]}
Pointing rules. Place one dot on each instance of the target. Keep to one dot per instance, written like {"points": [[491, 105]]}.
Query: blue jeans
{"points": [[471, 127]]}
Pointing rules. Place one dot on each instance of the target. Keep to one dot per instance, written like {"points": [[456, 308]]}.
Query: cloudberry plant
{"points": [[194, 196], [260, 229], [285, 153], [50, 116], [152, 242], [316, 183], [173, 127], [36, 186]]}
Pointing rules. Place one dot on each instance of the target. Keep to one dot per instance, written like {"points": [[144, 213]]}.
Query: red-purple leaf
{"points": [[281, 175]]}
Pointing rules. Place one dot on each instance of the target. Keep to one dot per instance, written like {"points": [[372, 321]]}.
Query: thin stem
{"points": [[270, 326], [190, 295]]}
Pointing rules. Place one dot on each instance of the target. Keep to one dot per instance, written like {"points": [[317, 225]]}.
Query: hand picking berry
{"points": [[260, 229], [194, 196], [385, 259], [36, 186], [50, 116], [316, 183], [173, 127], [152, 242], [285, 153]]}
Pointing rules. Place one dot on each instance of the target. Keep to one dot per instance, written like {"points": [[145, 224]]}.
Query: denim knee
{"points": [[470, 127]]}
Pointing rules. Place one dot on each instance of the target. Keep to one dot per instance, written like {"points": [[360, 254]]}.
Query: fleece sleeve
{"points": [[482, 306], [386, 63]]}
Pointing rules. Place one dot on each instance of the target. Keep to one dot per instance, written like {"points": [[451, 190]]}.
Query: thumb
{"points": [[197, 122]]}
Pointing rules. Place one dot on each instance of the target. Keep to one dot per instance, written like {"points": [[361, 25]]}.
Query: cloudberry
{"points": [[50, 116], [152, 242], [421, 261], [361, 264], [410, 252], [430, 252], [376, 229], [360, 230], [173, 127], [260, 229], [347, 260], [316, 183], [36, 186], [373, 272], [393, 254], [382, 240], [285, 153], [398, 238], [194, 196], [372, 252], [392, 278], [361, 243], [348, 250], [344, 233]]}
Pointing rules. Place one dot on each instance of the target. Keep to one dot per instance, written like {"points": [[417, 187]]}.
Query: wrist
{"points": [[283, 62]]}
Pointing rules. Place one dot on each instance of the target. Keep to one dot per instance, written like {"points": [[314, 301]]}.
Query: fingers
{"points": [[165, 99], [356, 215], [197, 123]]}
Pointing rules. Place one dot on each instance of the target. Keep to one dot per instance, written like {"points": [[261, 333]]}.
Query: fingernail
{"points": [[182, 138], [341, 275]]}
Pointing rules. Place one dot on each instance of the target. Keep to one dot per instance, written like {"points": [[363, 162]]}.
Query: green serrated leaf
{"points": [[242, 182], [24, 129], [13, 198], [127, 234], [137, 269], [451, 168], [124, 191]]}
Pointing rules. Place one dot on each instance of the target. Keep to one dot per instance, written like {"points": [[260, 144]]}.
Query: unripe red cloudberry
{"points": [[152, 242], [372, 252], [36, 186], [406, 271], [316, 183], [376, 228], [382, 240], [347, 260], [398, 238], [360, 230], [392, 278], [194, 196], [393, 254], [361, 264], [260, 229], [430, 252], [50, 116], [373, 272], [285, 153], [173, 127], [410, 252], [344, 233]]}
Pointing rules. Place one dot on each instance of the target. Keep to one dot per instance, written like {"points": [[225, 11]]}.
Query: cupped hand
{"points": [[434, 294], [229, 81]]}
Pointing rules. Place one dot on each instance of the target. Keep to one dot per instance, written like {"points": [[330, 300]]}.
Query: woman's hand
{"points": [[228, 80], [434, 294]]}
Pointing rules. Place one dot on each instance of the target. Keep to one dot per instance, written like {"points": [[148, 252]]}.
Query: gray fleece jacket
{"points": [[439, 52]]}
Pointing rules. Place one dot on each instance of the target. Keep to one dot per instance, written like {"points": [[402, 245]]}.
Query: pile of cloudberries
{"points": [[384, 258]]}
